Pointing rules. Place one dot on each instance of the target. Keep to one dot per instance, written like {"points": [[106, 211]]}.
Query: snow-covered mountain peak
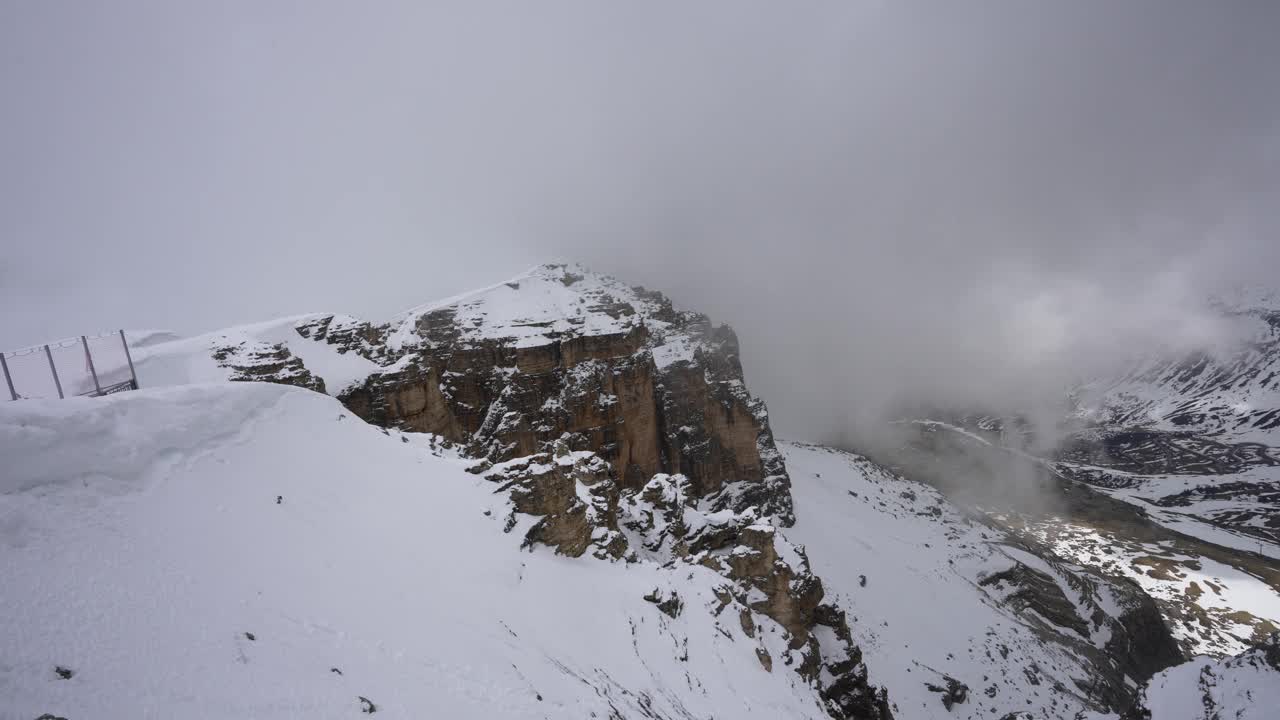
{"points": [[548, 303], [544, 301]]}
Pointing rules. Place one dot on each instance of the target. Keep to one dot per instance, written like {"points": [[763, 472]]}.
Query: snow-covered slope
{"points": [[939, 600], [1244, 687], [252, 550], [179, 361]]}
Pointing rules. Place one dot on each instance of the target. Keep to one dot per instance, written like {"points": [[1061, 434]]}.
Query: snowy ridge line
{"points": [[542, 306], [424, 308]]}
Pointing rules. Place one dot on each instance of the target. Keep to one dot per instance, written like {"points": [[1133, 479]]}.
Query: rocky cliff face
{"points": [[562, 355], [620, 424], [259, 361]]}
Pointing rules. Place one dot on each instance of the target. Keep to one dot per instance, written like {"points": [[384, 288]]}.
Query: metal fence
{"points": [[88, 366]]}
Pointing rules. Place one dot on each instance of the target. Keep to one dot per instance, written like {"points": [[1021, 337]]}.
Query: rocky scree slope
{"points": [[622, 424]]}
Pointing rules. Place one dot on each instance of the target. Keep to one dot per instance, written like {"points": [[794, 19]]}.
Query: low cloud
{"points": [[892, 203]]}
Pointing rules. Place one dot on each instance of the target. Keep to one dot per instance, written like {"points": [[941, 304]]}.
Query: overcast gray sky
{"points": [[947, 196]]}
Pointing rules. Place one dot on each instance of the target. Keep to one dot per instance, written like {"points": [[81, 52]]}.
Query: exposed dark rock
{"points": [[349, 335], [669, 603], [1146, 646], [953, 692], [256, 361], [547, 485], [766, 660], [1139, 643], [1271, 651], [1034, 590]]}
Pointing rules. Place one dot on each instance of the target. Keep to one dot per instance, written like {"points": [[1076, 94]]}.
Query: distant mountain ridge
{"points": [[1169, 476], [1231, 392]]}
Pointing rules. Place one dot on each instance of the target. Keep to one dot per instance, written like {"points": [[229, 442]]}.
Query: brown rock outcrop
{"points": [[251, 361], [507, 396]]}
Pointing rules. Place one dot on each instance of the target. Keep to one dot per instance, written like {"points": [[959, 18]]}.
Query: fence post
{"points": [[88, 356], [129, 357], [54, 369], [7, 380]]}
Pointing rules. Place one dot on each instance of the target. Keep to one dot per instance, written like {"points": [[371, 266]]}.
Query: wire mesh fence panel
{"points": [[29, 372], [73, 369], [65, 369], [109, 360]]}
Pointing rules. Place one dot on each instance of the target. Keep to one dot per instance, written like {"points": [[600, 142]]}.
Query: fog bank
{"points": [[891, 202]]}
